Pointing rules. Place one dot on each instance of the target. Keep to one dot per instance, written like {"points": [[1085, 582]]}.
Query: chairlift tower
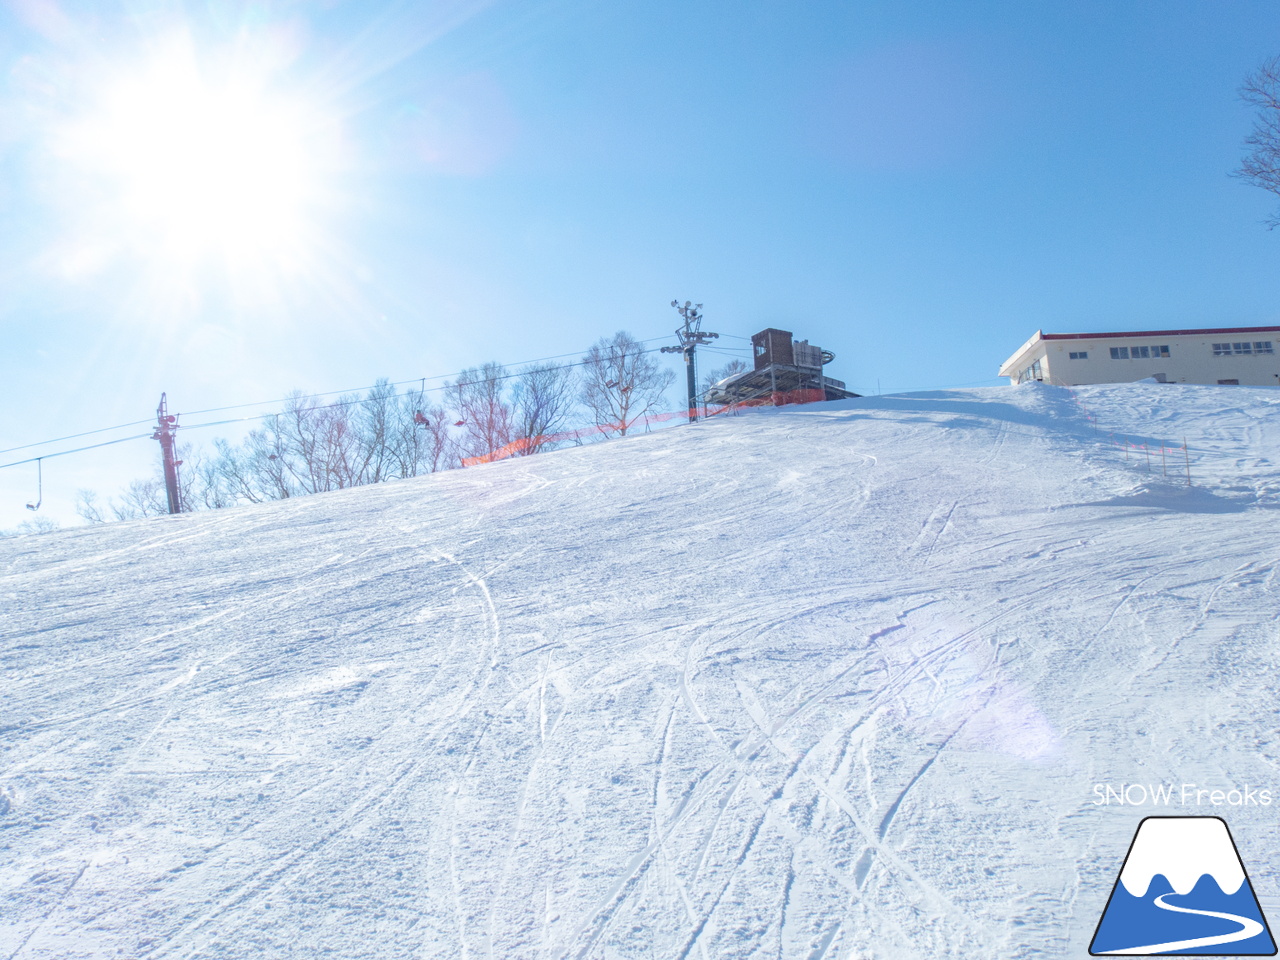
{"points": [[690, 336], [166, 433]]}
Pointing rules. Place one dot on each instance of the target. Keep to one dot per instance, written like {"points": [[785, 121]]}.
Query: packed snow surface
{"points": [[844, 680]]}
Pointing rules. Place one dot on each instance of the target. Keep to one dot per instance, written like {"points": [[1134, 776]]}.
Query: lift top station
{"points": [[786, 371]]}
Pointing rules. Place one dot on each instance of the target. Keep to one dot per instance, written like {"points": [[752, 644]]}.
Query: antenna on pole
{"points": [[166, 433], [690, 335]]}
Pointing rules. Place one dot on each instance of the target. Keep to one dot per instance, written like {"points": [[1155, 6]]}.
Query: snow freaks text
{"points": [[1181, 795]]}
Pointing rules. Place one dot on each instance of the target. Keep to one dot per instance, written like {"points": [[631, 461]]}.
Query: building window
{"points": [[1146, 353], [1246, 349], [1080, 355], [1225, 382], [1119, 353], [1030, 373]]}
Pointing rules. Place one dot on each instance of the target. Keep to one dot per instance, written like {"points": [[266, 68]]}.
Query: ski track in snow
{"points": [[822, 682]]}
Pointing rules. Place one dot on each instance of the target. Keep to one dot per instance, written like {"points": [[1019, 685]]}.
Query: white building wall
{"points": [[1249, 357]]}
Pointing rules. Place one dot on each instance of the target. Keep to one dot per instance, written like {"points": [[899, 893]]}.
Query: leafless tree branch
{"points": [[1261, 164]]}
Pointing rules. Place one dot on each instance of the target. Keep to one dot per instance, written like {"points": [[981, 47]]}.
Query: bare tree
{"points": [[327, 445], [374, 422], [621, 382], [422, 442], [201, 487], [37, 524], [1261, 165], [487, 419], [202, 483], [143, 498], [88, 508], [306, 448], [309, 447], [712, 377], [544, 399], [254, 472], [312, 446]]}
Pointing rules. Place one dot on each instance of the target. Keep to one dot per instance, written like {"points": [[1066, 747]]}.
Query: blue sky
{"points": [[916, 187]]}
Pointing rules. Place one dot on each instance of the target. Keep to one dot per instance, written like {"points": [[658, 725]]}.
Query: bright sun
{"points": [[192, 167]]}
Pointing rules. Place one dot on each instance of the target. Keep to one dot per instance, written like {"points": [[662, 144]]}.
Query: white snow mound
{"points": [[826, 681]]}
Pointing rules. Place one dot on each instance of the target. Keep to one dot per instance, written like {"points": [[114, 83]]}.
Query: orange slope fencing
{"points": [[526, 445]]}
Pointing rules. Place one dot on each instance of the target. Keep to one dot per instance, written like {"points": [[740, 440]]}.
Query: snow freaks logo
{"points": [[1182, 891], [1185, 795]]}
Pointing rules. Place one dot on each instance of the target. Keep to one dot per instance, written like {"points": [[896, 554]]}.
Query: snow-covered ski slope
{"points": [[824, 681]]}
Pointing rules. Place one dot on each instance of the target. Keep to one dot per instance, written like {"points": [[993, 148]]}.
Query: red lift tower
{"points": [[166, 433]]}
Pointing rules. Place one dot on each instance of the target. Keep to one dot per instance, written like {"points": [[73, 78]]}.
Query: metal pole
{"points": [[1188, 457], [692, 376], [166, 429], [690, 335]]}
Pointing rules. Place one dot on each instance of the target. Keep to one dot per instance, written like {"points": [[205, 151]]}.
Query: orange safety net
{"points": [[526, 444]]}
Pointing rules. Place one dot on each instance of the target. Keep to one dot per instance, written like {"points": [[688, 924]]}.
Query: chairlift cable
{"points": [[63, 453], [74, 436], [217, 423]]}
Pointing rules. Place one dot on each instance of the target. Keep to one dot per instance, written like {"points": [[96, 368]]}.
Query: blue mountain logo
{"points": [[1183, 891]]}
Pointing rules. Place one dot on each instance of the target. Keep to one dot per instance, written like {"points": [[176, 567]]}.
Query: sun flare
{"points": [[194, 167]]}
